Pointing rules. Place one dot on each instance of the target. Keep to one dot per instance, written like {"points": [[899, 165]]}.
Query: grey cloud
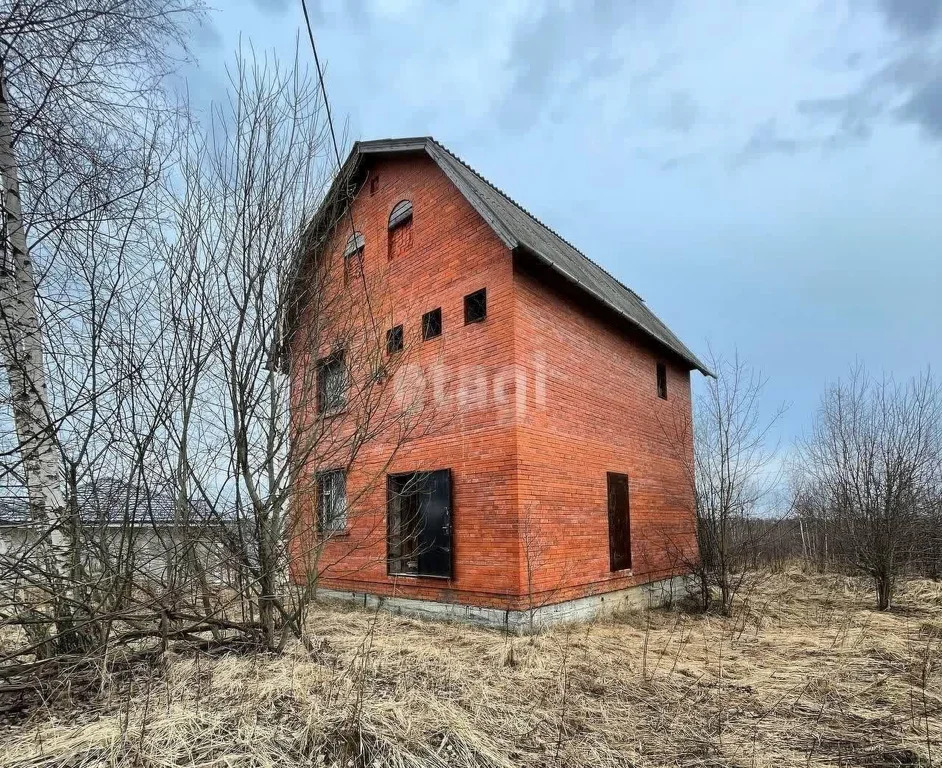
{"points": [[854, 60], [682, 112], [912, 17], [280, 6], [679, 161], [207, 35], [646, 77], [315, 9], [580, 37], [925, 107], [602, 66], [358, 13], [766, 140], [854, 113], [912, 77], [535, 51]]}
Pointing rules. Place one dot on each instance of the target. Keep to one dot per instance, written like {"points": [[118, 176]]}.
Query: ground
{"points": [[804, 673]]}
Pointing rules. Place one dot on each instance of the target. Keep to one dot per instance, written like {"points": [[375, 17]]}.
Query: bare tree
{"points": [[189, 402], [538, 552], [873, 458], [279, 348], [733, 472], [83, 115]]}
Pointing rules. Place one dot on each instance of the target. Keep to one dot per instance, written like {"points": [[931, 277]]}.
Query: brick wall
{"points": [[469, 397], [596, 411], [529, 410]]}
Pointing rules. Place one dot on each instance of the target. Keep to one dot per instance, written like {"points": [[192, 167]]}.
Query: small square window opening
{"points": [[662, 381], [475, 306], [432, 324], [394, 340]]}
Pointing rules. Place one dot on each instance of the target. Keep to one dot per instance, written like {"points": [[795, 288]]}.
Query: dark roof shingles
{"points": [[518, 228]]}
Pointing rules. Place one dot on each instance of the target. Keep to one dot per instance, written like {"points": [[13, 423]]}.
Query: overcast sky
{"points": [[766, 175]]}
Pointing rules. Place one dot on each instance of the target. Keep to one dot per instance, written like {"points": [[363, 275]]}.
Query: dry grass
{"points": [[804, 674]]}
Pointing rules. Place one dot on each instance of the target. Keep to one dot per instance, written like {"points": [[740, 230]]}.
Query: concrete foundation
{"points": [[651, 595]]}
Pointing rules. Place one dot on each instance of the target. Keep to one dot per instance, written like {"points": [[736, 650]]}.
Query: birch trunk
{"points": [[21, 343]]}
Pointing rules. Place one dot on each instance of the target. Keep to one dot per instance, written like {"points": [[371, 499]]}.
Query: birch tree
{"points": [[82, 102], [21, 340]]}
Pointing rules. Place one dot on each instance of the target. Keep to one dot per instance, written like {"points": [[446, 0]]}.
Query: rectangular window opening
{"points": [[662, 381], [394, 340], [331, 501], [374, 184], [419, 531], [432, 324], [619, 522], [475, 306], [331, 383]]}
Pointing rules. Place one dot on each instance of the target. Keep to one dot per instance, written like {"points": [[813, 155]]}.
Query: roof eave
{"points": [[444, 160], [690, 359]]}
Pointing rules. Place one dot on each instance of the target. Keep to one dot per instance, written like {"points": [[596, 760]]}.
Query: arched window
{"points": [[400, 228], [355, 245], [401, 214]]}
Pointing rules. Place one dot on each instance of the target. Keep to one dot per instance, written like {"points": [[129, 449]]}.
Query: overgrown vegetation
{"points": [[805, 672], [154, 271], [861, 495]]}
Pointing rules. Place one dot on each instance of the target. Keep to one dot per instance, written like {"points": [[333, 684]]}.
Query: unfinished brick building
{"points": [[545, 487]]}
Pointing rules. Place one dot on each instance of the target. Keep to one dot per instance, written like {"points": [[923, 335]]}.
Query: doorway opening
{"points": [[419, 525]]}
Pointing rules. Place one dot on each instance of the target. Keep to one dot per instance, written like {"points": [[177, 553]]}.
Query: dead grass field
{"points": [[805, 674]]}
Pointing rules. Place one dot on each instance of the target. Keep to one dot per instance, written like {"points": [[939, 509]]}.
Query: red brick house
{"points": [[546, 488]]}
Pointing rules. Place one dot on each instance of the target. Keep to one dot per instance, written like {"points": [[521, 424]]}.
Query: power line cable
{"points": [[333, 137]]}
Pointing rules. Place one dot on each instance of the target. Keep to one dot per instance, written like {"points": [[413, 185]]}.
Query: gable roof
{"points": [[520, 231]]}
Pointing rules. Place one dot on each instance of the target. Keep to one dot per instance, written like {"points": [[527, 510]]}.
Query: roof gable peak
{"points": [[521, 230]]}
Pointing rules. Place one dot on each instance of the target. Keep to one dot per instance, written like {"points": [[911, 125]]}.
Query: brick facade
{"points": [[529, 409]]}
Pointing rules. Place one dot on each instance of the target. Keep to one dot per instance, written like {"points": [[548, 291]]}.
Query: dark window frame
{"points": [[419, 524], [332, 364], [400, 214], [432, 324], [374, 184], [395, 340], [475, 306], [661, 374], [619, 521], [332, 521], [355, 245]]}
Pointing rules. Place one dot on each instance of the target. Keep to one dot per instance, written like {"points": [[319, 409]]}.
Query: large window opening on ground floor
{"points": [[419, 523]]}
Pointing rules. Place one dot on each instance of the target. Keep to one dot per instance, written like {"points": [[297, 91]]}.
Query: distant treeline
{"points": [[776, 543]]}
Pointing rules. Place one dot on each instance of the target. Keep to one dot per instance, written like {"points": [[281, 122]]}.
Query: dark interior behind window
{"points": [[619, 522], [475, 306], [418, 517], [394, 340], [432, 324], [331, 383], [331, 501]]}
